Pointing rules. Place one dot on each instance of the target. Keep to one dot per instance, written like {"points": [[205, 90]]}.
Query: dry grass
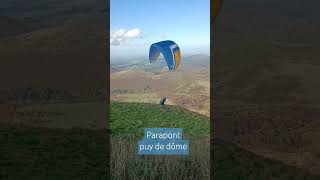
{"points": [[126, 164]]}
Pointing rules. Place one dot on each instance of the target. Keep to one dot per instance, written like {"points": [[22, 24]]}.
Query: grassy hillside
{"points": [[266, 90], [129, 119], [42, 153], [230, 161], [39, 38], [233, 163]]}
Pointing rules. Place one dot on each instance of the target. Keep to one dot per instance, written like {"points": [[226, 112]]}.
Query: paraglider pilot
{"points": [[162, 101]]}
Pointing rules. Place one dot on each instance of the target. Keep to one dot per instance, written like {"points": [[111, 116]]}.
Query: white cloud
{"points": [[121, 36]]}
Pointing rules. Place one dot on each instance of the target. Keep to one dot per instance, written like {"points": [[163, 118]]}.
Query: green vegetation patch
{"points": [[40, 153], [130, 119]]}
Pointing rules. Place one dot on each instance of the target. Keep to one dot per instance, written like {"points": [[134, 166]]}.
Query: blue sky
{"points": [[136, 24]]}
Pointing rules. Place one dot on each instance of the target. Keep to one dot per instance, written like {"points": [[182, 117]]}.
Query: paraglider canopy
{"points": [[215, 8], [170, 51]]}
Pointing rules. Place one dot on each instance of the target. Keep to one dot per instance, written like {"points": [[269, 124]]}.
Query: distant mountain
{"points": [[196, 61], [291, 8], [192, 61], [42, 40]]}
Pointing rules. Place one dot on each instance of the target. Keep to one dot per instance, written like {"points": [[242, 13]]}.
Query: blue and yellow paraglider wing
{"points": [[170, 51], [176, 55]]}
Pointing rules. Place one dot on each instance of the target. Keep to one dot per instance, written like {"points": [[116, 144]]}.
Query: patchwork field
{"points": [[188, 87]]}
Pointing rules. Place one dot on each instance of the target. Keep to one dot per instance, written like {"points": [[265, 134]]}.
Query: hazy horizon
{"points": [[140, 58]]}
